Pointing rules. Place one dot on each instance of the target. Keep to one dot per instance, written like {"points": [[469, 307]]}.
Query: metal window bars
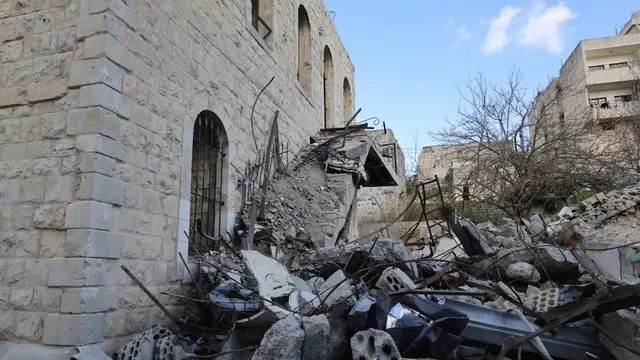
{"points": [[256, 20], [206, 182]]}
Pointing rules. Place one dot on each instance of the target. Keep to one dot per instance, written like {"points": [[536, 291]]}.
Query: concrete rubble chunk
{"points": [[373, 344], [283, 340], [342, 295], [523, 271], [557, 263], [316, 335], [623, 326], [393, 279]]}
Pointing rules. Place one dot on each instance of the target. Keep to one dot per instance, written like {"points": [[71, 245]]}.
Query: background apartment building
{"points": [[598, 82]]}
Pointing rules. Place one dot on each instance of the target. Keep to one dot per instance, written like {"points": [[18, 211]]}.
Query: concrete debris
{"points": [[283, 340], [91, 352], [523, 271], [304, 298], [373, 344]]}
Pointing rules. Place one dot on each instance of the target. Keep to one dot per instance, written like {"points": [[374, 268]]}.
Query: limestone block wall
{"points": [[97, 106]]}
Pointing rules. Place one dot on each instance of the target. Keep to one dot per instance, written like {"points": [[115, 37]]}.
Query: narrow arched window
{"points": [[206, 198], [304, 48], [347, 101], [262, 17], [328, 89]]}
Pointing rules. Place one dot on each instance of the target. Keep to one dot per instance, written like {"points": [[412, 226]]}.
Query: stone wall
{"points": [[97, 106], [380, 203]]}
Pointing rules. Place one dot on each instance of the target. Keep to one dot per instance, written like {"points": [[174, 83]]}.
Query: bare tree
{"points": [[520, 150]]}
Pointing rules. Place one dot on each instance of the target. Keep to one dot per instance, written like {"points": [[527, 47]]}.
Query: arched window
{"points": [[347, 101], [328, 88], [304, 48], [207, 179]]}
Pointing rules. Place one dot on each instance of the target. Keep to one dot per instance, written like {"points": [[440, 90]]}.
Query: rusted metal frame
{"points": [[267, 164], [442, 201], [261, 20], [352, 118], [215, 240]]}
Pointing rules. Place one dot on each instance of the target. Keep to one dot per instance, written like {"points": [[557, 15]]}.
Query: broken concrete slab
{"points": [[337, 292], [373, 344], [523, 271], [558, 264], [282, 341], [316, 335], [622, 325]]}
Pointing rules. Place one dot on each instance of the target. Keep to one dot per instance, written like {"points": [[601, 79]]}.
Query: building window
{"points": [[347, 101], [304, 48], [206, 196], [608, 124], [598, 101], [262, 17], [618, 65], [623, 98], [328, 88], [596, 67]]}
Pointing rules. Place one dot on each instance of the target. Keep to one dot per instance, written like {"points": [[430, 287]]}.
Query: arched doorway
{"points": [[208, 179]]}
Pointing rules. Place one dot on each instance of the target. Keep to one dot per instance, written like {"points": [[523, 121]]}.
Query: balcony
{"points": [[622, 111], [600, 79]]}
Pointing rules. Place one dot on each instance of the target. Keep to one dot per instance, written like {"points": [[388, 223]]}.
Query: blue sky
{"points": [[412, 55]]}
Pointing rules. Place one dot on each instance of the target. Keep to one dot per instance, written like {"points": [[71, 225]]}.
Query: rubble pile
{"points": [[533, 288]]}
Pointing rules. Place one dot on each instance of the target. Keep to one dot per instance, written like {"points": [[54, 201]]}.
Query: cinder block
{"points": [[88, 215], [95, 71], [89, 300], [77, 272], [73, 329], [93, 120], [96, 143], [394, 279], [46, 90], [93, 244], [94, 186]]}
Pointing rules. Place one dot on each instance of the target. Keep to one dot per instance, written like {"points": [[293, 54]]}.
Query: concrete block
{"points": [[46, 90], [73, 329], [89, 215], [104, 96], [77, 272], [94, 186], [89, 300], [101, 45], [394, 279], [95, 71], [59, 188], [93, 243], [93, 120], [12, 96], [373, 344], [98, 163], [96, 143]]}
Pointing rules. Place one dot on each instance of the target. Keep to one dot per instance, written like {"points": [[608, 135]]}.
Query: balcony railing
{"points": [[610, 75], [618, 110]]}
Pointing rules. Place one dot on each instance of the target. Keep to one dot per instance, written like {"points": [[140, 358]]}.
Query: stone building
{"points": [[440, 160], [115, 117]]}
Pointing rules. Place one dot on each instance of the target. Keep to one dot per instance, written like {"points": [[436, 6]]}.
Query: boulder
{"points": [[523, 271], [282, 341]]}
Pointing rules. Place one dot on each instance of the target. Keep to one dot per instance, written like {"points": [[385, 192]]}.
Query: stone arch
{"points": [[328, 88], [201, 104], [347, 100], [304, 48]]}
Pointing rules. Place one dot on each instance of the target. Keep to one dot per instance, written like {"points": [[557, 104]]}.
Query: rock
{"points": [[282, 341], [316, 335], [566, 212], [623, 326], [523, 271], [560, 265], [341, 296], [501, 241], [373, 344], [487, 226], [511, 256]]}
